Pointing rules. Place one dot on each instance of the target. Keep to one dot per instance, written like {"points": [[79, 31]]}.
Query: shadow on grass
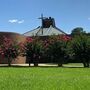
{"points": [[17, 66], [71, 67]]}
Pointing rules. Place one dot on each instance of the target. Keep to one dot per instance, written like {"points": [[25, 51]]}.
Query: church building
{"points": [[47, 28]]}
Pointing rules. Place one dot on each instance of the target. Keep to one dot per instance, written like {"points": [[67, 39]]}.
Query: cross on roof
{"points": [[41, 17]]}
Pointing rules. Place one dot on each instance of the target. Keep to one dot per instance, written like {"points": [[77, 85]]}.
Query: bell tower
{"points": [[47, 22]]}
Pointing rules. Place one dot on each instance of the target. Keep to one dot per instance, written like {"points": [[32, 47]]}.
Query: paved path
{"points": [[28, 64], [48, 64]]}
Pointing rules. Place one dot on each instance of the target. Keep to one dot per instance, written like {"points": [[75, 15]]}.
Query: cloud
{"points": [[16, 21], [21, 21], [13, 21]]}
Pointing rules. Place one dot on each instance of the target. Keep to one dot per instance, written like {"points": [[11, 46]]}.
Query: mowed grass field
{"points": [[44, 78]]}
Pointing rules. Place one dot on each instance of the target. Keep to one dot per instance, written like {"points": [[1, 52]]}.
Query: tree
{"points": [[77, 31], [56, 49], [9, 49], [33, 50], [81, 49]]}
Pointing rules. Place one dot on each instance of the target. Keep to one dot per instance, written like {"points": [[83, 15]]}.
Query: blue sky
{"points": [[22, 15]]}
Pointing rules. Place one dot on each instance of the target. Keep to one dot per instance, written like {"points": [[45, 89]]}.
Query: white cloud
{"points": [[16, 21], [13, 21], [21, 21]]}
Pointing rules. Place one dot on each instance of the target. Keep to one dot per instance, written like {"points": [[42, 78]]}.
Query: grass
{"points": [[44, 78]]}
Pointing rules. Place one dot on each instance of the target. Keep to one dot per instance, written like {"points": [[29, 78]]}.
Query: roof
{"points": [[47, 28], [44, 31]]}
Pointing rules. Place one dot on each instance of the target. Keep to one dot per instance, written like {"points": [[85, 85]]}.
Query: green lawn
{"points": [[44, 78]]}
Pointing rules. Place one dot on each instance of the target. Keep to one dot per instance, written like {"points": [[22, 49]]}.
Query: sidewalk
{"points": [[28, 64], [47, 64]]}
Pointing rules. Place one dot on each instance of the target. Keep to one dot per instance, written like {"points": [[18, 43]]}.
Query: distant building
{"points": [[47, 28]]}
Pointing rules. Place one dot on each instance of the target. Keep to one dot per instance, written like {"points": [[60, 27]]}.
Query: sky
{"points": [[21, 16]]}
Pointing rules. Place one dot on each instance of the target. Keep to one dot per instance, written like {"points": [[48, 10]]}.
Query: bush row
{"points": [[57, 49]]}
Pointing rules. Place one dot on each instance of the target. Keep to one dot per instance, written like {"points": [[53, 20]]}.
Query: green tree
{"points": [[56, 49], [81, 49], [9, 50], [33, 50], [77, 31]]}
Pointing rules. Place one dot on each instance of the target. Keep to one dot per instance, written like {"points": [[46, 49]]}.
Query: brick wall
{"points": [[15, 37]]}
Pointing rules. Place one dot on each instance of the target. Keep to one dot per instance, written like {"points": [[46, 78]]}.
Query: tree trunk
{"points": [[29, 63], [86, 63], [9, 61], [29, 60], [59, 64], [36, 62]]}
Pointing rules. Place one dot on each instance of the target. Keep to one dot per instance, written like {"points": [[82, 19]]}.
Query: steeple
{"points": [[47, 22], [46, 28]]}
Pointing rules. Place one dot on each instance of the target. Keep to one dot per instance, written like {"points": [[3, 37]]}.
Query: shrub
{"points": [[57, 48], [33, 49], [9, 50], [81, 49]]}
